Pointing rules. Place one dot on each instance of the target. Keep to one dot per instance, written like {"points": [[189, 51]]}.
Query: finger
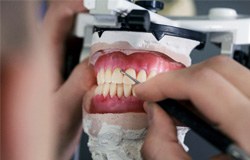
{"points": [[161, 140], [73, 90], [57, 25], [59, 18], [232, 71], [69, 100], [214, 97], [24, 109]]}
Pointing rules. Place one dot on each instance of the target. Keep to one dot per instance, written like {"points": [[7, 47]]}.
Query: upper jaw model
{"points": [[114, 118]]}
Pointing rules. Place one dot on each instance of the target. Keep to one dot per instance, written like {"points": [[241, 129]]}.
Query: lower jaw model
{"points": [[114, 118]]}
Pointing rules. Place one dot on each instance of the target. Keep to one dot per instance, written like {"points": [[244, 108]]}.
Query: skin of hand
{"points": [[219, 88], [42, 112]]}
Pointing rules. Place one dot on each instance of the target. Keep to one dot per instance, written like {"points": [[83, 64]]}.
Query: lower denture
{"points": [[140, 65]]}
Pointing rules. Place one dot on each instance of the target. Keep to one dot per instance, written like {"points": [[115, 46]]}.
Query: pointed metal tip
{"points": [[130, 77], [122, 71]]}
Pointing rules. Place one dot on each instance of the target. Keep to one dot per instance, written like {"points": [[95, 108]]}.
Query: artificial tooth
{"points": [[133, 93], [98, 90], [117, 77], [142, 76], [100, 76], [152, 74], [108, 75], [119, 90], [105, 89], [127, 89], [132, 73], [112, 91]]}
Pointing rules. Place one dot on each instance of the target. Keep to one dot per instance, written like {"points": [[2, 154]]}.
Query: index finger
{"points": [[59, 19], [231, 70]]}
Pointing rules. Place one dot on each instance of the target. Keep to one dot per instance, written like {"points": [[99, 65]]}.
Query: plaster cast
{"points": [[174, 47], [119, 136]]}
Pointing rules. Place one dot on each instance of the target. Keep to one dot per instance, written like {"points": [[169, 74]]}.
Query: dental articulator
{"points": [[119, 18]]}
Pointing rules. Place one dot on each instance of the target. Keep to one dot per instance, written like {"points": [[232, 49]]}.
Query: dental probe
{"points": [[201, 127]]}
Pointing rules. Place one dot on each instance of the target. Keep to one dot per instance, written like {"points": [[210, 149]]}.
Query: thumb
{"points": [[161, 140], [69, 111], [72, 91]]}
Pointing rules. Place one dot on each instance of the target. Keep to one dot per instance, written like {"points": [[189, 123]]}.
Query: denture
{"points": [[113, 93], [114, 118]]}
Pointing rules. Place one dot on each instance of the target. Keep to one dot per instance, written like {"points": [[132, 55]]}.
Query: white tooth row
{"points": [[113, 89], [117, 77]]}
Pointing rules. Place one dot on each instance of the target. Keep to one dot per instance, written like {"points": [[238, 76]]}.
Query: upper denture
{"points": [[139, 60]]}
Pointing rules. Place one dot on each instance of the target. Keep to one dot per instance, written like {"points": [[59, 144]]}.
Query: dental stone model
{"points": [[113, 117]]}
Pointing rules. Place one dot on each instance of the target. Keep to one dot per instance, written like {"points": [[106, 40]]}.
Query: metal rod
{"points": [[129, 76]]}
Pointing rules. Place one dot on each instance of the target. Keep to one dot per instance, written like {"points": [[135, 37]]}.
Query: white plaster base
{"points": [[117, 142]]}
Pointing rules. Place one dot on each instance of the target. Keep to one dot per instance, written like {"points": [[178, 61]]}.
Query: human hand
{"points": [[219, 88], [68, 97], [42, 113]]}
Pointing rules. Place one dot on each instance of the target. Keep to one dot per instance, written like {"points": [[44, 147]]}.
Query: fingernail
{"points": [[148, 107]]}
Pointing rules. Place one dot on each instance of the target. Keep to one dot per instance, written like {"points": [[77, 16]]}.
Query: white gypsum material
{"points": [[111, 141], [177, 48]]}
